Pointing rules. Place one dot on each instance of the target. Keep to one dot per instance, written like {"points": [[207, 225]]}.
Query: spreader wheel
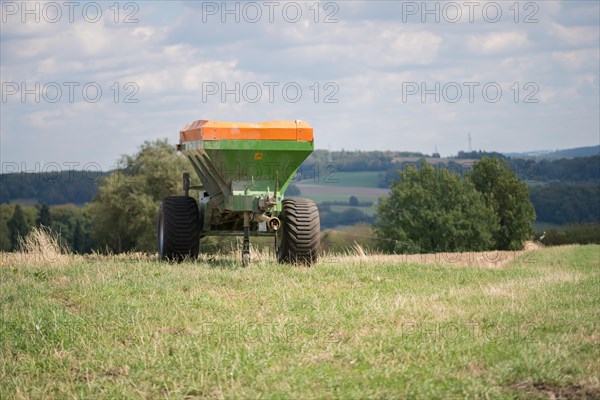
{"points": [[300, 232], [178, 228]]}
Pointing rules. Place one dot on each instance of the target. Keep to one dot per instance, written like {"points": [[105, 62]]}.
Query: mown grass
{"points": [[362, 327]]}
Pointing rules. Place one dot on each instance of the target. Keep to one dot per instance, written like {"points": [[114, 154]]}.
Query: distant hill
{"points": [[564, 186], [553, 154], [52, 188]]}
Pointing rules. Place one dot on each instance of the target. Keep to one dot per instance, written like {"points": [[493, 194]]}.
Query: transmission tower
{"points": [[470, 143]]}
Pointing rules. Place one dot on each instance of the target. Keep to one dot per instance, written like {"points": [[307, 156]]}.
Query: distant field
{"points": [[368, 179], [320, 193], [523, 325], [370, 211]]}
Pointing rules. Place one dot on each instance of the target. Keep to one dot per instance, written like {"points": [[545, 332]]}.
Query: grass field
{"points": [[370, 211], [339, 186], [322, 193], [350, 327], [366, 179]]}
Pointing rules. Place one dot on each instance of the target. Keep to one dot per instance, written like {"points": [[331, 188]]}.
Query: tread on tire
{"points": [[178, 228], [300, 232]]}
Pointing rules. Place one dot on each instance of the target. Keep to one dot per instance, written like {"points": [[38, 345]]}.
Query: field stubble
{"points": [[358, 325]]}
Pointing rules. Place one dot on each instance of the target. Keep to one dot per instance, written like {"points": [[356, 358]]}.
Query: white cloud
{"points": [[500, 42], [577, 59], [362, 44], [400, 47], [574, 35]]}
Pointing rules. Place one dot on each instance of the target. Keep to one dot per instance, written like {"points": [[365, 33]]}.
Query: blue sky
{"points": [[84, 83]]}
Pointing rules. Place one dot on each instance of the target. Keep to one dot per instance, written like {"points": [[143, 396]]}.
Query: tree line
{"points": [[121, 215], [71, 223], [80, 186], [51, 188], [566, 170], [564, 203], [121, 212], [563, 191]]}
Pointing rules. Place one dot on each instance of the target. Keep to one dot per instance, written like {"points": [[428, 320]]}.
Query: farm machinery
{"points": [[244, 170]]}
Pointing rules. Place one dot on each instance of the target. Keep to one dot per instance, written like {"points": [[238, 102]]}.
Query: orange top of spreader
{"points": [[273, 130]]}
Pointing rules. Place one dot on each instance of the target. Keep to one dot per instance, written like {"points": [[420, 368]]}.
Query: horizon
{"points": [[69, 167]]}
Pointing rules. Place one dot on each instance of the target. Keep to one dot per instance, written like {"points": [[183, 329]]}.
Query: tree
{"points": [[508, 197], [353, 201], [44, 218], [17, 225], [565, 202], [124, 212], [5, 236], [78, 244], [431, 210]]}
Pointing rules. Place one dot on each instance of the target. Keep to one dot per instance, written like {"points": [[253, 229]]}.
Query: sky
{"points": [[85, 82]]}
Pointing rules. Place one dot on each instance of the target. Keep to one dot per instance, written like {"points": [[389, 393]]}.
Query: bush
{"points": [[508, 198], [434, 211]]}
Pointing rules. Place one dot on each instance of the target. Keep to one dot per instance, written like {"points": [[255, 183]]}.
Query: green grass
{"points": [[347, 328], [367, 179]]}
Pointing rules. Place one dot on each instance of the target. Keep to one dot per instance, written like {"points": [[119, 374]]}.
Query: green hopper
{"points": [[244, 170]]}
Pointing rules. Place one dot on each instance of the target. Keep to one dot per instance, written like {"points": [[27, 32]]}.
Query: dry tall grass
{"points": [[43, 246], [40, 246], [482, 259]]}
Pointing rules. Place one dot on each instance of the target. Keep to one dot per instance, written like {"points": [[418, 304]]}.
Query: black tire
{"points": [[300, 233], [178, 228]]}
